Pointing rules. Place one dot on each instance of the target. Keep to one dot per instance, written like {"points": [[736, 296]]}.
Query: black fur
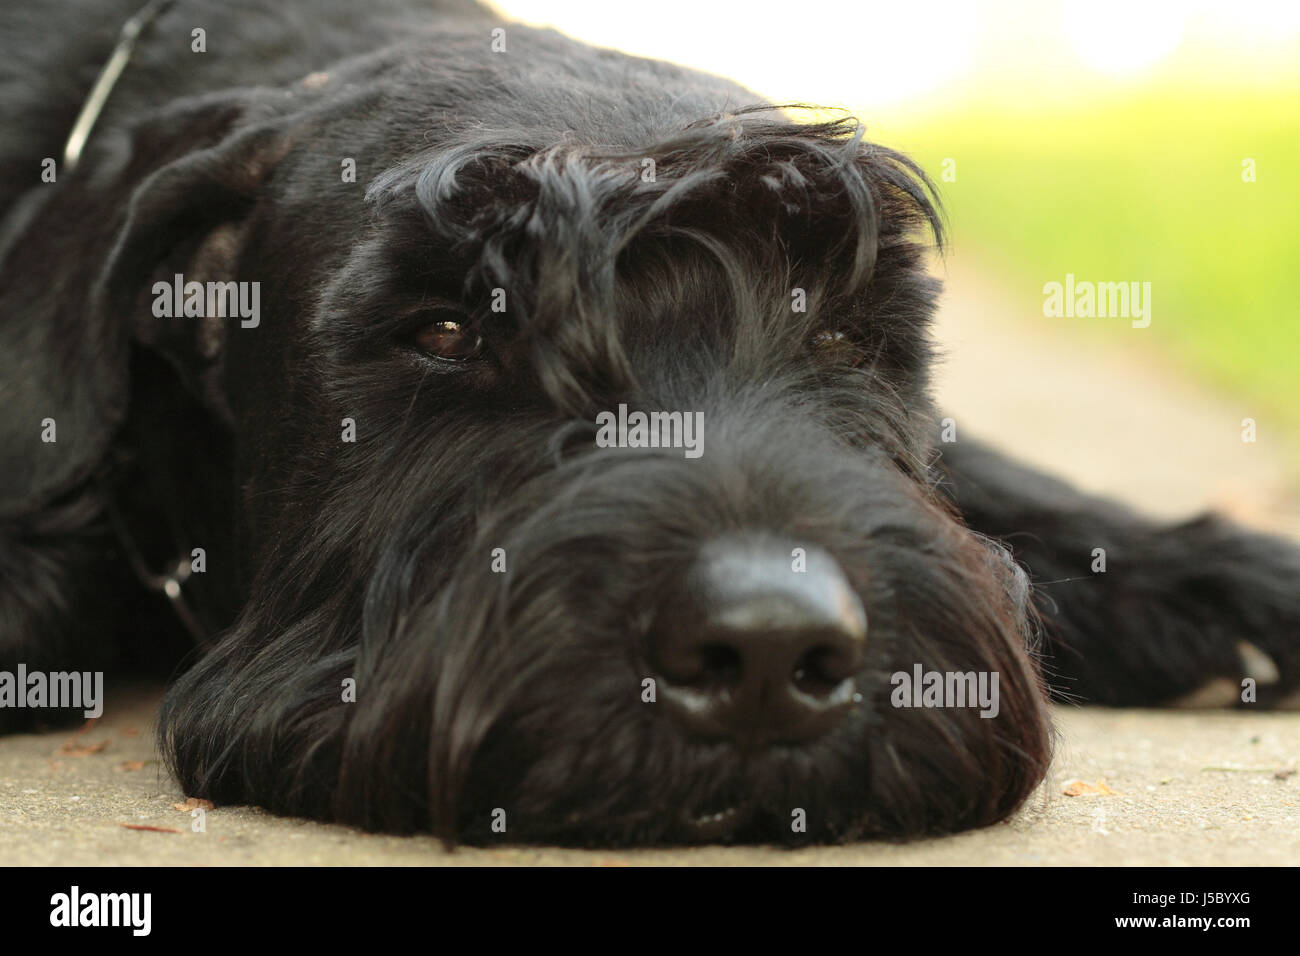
{"points": [[524, 171]]}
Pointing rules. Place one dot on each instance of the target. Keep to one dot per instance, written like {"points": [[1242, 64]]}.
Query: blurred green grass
{"points": [[1148, 189]]}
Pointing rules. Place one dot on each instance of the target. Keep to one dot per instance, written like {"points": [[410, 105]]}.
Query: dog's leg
{"points": [[1138, 612]]}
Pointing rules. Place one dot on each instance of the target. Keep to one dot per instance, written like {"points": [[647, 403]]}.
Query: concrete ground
{"points": [[1185, 788], [1162, 787]]}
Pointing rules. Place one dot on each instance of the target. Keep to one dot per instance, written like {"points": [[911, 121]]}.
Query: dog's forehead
{"points": [[452, 106], [426, 89]]}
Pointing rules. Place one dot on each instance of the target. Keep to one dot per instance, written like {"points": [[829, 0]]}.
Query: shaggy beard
{"points": [[521, 691]]}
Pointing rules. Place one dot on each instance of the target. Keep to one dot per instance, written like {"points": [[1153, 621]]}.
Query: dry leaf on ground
{"points": [[1077, 788], [73, 749], [193, 803]]}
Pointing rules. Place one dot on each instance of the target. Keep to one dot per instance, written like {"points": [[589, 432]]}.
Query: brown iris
{"points": [[837, 347], [448, 340]]}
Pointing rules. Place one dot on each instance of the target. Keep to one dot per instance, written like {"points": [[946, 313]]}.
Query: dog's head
{"points": [[586, 430]]}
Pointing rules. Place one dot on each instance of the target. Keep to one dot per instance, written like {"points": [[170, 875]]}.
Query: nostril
{"points": [[721, 665], [822, 669], [705, 665]]}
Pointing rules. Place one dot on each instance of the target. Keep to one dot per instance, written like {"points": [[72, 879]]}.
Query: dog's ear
{"points": [[169, 196]]}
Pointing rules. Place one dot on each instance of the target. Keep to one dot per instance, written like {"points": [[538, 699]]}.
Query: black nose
{"points": [[749, 647]]}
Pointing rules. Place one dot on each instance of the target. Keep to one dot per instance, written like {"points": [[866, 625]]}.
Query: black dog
{"points": [[435, 597]]}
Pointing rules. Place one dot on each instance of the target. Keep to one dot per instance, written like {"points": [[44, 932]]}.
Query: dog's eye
{"points": [[835, 348], [828, 340], [448, 339]]}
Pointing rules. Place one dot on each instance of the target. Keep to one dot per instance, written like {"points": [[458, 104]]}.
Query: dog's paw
{"points": [[1259, 672], [1249, 591], [1202, 614]]}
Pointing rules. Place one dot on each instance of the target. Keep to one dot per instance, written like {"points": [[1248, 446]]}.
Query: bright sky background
{"points": [[887, 58]]}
